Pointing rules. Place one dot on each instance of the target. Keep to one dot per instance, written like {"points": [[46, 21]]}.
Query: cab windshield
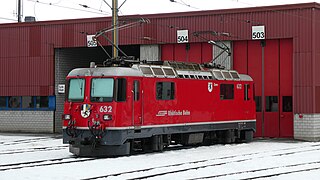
{"points": [[102, 89], [76, 90]]}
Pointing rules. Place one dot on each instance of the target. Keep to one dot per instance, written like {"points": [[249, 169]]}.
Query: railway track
{"points": [[183, 167], [36, 149], [267, 169], [40, 163], [24, 141]]}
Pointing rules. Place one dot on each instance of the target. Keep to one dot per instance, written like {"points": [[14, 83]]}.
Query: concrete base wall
{"points": [[27, 121], [307, 127]]}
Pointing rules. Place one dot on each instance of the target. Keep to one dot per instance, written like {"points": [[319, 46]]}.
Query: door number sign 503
{"points": [[258, 32]]}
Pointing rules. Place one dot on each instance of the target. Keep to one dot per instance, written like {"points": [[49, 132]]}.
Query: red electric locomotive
{"points": [[120, 109]]}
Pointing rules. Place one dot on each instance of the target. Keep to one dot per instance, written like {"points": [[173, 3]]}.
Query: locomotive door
{"points": [[136, 103]]}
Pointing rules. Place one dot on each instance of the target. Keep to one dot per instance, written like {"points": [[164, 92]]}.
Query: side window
{"points": [[258, 103], [121, 89], [226, 91], [14, 101], [3, 101], [27, 102], [272, 104], [42, 102], [136, 90], [246, 92], [287, 103], [165, 90], [34, 103]]}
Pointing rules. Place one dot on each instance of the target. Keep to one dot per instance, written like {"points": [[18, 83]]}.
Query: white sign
{"points": [[258, 32], [91, 41], [182, 36], [61, 88]]}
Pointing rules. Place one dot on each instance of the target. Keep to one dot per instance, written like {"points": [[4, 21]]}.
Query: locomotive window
{"points": [[76, 90], [121, 90], [27, 102], [218, 74], [3, 101], [272, 104], [168, 72], [158, 71], [102, 90], [136, 90], [287, 103], [226, 91], [146, 70], [246, 92], [235, 75], [226, 74], [165, 90], [258, 103]]}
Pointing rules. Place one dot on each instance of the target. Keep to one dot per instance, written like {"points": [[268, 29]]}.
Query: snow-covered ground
{"points": [[45, 157]]}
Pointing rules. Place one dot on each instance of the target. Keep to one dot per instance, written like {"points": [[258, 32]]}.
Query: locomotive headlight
{"points": [[66, 116], [107, 117]]}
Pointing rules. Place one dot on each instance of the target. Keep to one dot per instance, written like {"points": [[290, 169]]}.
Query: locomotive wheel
{"points": [[157, 143], [245, 136], [226, 136], [248, 136]]}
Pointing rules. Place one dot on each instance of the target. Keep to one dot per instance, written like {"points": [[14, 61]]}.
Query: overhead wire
{"points": [[34, 10], [181, 2], [71, 8], [9, 19]]}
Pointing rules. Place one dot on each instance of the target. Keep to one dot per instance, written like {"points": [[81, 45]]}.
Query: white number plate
{"points": [[182, 36], [258, 32], [106, 109]]}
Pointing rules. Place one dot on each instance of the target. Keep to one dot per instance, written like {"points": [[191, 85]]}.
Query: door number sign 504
{"points": [[182, 36]]}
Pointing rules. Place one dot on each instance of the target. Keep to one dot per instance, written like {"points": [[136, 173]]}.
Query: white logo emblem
{"points": [[210, 87], [85, 110], [162, 113]]}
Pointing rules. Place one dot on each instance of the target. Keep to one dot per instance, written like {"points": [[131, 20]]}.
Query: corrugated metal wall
{"points": [[27, 49]]}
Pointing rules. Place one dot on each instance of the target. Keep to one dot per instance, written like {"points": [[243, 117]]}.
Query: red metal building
{"points": [[35, 58]]}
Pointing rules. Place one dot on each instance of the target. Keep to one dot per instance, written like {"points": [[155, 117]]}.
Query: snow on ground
{"points": [[45, 157]]}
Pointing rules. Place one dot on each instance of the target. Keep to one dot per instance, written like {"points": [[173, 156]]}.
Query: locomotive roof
{"points": [[162, 71], [106, 71]]}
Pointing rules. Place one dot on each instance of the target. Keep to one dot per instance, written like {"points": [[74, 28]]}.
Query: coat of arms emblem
{"points": [[85, 110]]}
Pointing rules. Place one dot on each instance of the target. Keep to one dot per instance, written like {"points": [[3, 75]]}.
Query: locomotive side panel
{"points": [[196, 101]]}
